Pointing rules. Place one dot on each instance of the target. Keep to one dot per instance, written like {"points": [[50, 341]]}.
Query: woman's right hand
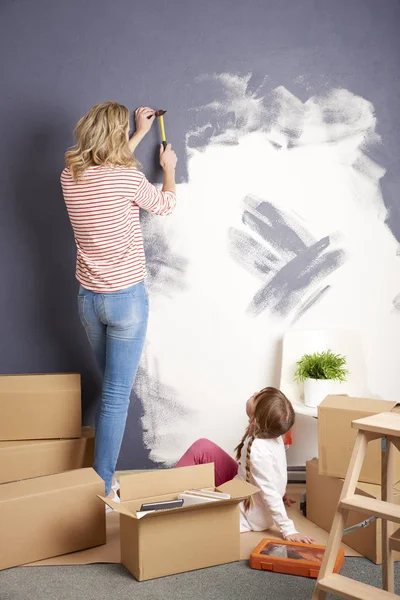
{"points": [[297, 537], [168, 158]]}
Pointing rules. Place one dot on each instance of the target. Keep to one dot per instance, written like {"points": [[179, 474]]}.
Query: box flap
{"points": [[238, 488], [165, 481], [10, 384], [367, 405], [48, 483], [118, 507]]}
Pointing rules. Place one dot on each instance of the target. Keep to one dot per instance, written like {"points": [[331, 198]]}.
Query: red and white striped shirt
{"points": [[103, 208]]}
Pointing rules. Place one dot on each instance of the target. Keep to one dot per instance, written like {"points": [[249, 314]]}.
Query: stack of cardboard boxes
{"points": [[49, 502], [326, 474]]}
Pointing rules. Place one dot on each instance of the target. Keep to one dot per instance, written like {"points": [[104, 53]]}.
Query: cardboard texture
{"points": [[36, 407], [26, 459], [336, 437], [111, 552], [178, 540], [322, 499], [49, 516]]}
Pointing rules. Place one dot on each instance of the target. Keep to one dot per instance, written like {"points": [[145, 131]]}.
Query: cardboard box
{"points": [[336, 437], [50, 516], [26, 459], [183, 539], [322, 499], [35, 407]]}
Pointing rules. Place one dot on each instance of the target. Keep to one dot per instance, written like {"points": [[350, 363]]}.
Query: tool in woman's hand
{"points": [[160, 114]]}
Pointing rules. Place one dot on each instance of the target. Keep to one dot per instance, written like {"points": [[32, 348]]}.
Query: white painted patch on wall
{"points": [[282, 221]]}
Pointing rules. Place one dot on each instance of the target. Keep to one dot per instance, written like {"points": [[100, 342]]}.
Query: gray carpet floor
{"points": [[112, 582]]}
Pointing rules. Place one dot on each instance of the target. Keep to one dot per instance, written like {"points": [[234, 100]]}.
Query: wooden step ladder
{"points": [[387, 427]]}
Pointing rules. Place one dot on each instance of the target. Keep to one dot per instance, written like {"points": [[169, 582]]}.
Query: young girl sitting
{"points": [[260, 460]]}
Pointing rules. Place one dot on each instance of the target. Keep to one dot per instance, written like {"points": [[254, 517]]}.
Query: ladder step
{"points": [[372, 506], [383, 423], [394, 541], [349, 589]]}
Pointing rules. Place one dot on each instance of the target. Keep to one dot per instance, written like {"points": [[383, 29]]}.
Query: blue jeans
{"points": [[115, 324]]}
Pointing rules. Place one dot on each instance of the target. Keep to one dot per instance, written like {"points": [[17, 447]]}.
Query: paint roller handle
{"points": [[165, 145]]}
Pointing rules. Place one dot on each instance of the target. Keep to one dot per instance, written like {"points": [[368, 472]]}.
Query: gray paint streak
{"points": [[314, 299], [165, 269], [396, 302], [134, 454], [281, 232], [284, 255], [296, 278], [160, 405]]}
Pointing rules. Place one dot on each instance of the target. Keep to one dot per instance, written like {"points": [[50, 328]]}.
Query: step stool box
{"points": [[35, 407], [182, 539], [50, 516], [25, 459], [322, 496], [336, 437]]}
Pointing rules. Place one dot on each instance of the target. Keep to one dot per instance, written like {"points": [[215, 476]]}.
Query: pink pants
{"points": [[204, 452]]}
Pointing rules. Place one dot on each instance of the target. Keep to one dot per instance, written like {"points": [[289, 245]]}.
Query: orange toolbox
{"points": [[293, 558]]}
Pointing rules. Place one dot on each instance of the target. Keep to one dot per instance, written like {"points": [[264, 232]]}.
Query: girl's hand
{"points": [[168, 158], [144, 117], [297, 537], [288, 501]]}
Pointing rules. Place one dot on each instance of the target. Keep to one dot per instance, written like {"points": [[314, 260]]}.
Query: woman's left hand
{"points": [[144, 117]]}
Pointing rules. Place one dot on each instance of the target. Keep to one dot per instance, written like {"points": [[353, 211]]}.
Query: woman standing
{"points": [[103, 191]]}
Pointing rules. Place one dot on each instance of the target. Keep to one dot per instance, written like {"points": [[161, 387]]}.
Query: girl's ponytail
{"points": [[239, 447], [248, 502], [249, 433]]}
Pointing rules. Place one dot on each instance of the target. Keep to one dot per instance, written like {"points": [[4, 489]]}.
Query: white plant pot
{"points": [[315, 390]]}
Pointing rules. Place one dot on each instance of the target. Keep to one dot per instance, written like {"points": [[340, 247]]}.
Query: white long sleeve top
{"points": [[269, 473]]}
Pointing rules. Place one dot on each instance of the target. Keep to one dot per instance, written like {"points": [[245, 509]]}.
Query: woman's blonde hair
{"points": [[101, 139], [273, 417]]}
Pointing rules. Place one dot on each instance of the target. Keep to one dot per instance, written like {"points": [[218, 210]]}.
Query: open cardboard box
{"points": [[50, 516], [336, 437], [36, 407], [25, 459], [322, 499], [181, 539]]}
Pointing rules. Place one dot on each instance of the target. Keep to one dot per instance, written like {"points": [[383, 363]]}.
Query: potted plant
{"points": [[318, 371]]}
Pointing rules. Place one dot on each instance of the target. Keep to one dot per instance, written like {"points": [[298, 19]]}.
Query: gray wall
{"points": [[60, 58]]}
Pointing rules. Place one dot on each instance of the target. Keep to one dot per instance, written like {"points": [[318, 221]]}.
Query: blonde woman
{"points": [[103, 192]]}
